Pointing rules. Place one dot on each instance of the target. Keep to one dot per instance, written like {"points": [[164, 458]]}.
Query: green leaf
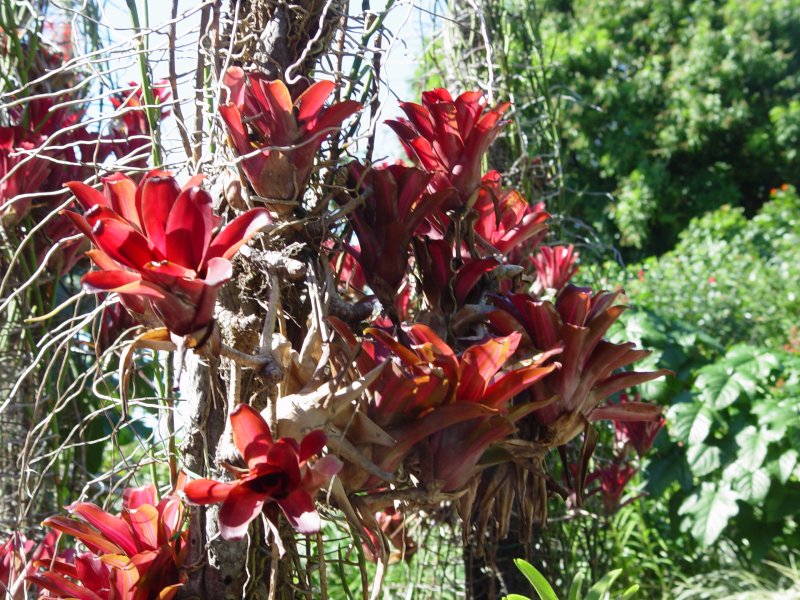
{"points": [[717, 386], [630, 592], [537, 580], [703, 459], [575, 587], [786, 464], [516, 597], [690, 422], [739, 372], [752, 486], [755, 362], [601, 588], [709, 511], [753, 445]]}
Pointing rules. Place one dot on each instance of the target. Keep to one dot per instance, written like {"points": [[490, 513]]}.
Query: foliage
{"points": [[649, 113], [598, 591], [733, 264]]}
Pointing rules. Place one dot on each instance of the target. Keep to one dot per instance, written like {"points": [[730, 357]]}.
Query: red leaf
{"points": [[87, 196], [133, 498], [468, 276], [300, 511], [88, 535], [158, 196], [121, 191], [113, 528], [188, 230], [144, 524], [480, 362], [238, 232], [312, 444], [310, 103], [510, 384], [124, 244], [122, 282]]}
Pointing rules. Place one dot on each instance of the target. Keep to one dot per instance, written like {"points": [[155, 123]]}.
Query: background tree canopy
{"points": [[678, 107]]}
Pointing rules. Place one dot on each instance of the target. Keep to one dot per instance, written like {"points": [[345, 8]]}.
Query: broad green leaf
{"points": [[516, 597], [722, 383], [751, 485], [703, 459], [575, 587], [752, 445], [753, 361], [709, 511], [601, 588], [786, 464], [537, 580], [690, 422]]}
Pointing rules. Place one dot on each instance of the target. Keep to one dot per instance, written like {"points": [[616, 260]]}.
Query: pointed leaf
{"points": [[207, 491], [238, 232], [536, 579]]}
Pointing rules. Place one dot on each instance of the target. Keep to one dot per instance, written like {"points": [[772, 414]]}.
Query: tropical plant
{"points": [[601, 589]]}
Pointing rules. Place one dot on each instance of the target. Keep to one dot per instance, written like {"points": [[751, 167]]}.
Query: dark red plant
{"points": [[639, 435], [136, 555], [505, 221], [20, 174], [278, 471], [448, 281], [450, 137], [17, 558], [555, 266], [396, 203], [157, 247], [590, 372], [285, 131], [449, 408], [613, 480]]}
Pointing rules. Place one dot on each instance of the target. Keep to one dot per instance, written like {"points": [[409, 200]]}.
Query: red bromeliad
{"points": [[395, 206], [20, 174], [278, 471], [448, 287], [436, 402], [555, 266], [577, 322], [17, 558], [639, 435], [156, 247], [136, 555], [505, 219], [613, 481], [450, 137], [284, 131]]}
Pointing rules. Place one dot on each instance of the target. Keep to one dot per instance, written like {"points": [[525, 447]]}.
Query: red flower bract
{"points": [[277, 471], [156, 246]]}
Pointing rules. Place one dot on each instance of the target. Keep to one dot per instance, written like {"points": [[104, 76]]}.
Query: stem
{"points": [[151, 110]]}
